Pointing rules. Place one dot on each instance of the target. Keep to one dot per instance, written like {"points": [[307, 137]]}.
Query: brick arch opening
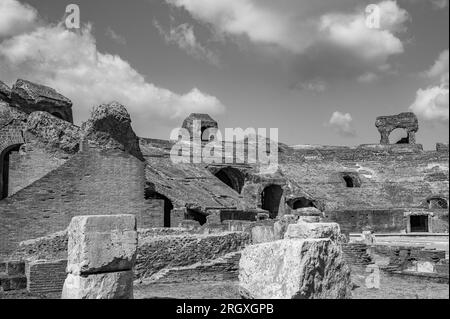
{"points": [[231, 177], [437, 202], [168, 205], [4, 169], [270, 199], [301, 202]]}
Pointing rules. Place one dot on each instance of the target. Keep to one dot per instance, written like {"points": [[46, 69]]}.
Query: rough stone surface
{"points": [[313, 230], [101, 244], [110, 128], [115, 285], [5, 92], [206, 122], [9, 114], [54, 132], [31, 97], [294, 269], [407, 121]]}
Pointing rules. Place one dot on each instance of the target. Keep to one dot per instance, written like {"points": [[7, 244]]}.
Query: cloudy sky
{"points": [[315, 69]]}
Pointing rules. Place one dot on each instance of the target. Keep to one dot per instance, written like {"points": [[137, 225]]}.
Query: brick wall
{"points": [[92, 182], [46, 276], [381, 221]]}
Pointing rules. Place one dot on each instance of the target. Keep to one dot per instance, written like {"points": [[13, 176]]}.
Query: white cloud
{"points": [[16, 18], [432, 103], [323, 44], [351, 33], [184, 37], [440, 4], [71, 63], [110, 33], [240, 18], [342, 124]]}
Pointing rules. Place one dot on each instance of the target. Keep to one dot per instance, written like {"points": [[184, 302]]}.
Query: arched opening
{"points": [[399, 136], [351, 180], [437, 203], [4, 169], [271, 198], [168, 206], [231, 177], [301, 202]]}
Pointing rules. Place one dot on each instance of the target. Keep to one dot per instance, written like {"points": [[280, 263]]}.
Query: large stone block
{"points": [[115, 285], [313, 230], [101, 244], [294, 269]]}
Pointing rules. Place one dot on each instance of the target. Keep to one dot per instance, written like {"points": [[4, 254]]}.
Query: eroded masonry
{"points": [[52, 170]]}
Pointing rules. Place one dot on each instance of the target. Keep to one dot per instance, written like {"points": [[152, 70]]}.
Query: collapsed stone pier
{"points": [[101, 255]]}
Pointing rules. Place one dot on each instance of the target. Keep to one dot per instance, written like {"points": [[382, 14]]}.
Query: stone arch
{"points": [[4, 168], [232, 177], [407, 121], [168, 205], [271, 199]]}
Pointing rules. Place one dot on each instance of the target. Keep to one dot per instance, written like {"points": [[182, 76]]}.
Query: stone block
{"points": [[101, 244], [115, 285], [294, 269], [262, 234], [313, 230]]}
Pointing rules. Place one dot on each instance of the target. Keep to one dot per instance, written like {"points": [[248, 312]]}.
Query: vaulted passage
{"points": [[419, 224], [168, 206], [4, 170], [271, 198], [231, 177]]}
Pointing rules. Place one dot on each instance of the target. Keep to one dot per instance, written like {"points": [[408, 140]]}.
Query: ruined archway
{"points": [[4, 169], [231, 177], [168, 206], [271, 198]]}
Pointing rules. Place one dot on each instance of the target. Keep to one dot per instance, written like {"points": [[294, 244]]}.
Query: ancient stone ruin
{"points": [[208, 223], [101, 256]]}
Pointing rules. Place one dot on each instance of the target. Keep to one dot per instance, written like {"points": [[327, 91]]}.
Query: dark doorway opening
{"points": [[4, 168], [351, 180], [231, 177], [271, 198], [198, 217], [419, 224], [168, 206], [301, 202]]}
